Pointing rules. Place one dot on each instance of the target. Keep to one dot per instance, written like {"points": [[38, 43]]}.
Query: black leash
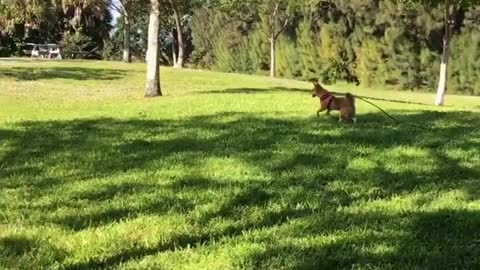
{"points": [[390, 116]]}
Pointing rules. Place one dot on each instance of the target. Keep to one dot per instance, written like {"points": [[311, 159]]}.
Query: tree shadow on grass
{"points": [[17, 246], [90, 136], [207, 236], [444, 239], [71, 73], [160, 205], [307, 175], [82, 149], [21, 252]]}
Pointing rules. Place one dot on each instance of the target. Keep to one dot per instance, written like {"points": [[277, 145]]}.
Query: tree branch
{"points": [[453, 17], [446, 19], [118, 8], [283, 28], [277, 6], [273, 18]]}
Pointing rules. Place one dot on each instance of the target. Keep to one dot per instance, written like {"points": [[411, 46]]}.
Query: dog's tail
{"points": [[351, 99]]}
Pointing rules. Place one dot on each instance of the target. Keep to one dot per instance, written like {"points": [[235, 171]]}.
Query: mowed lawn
{"points": [[228, 171]]}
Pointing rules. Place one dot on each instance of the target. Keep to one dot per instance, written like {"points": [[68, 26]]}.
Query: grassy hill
{"points": [[228, 171]]}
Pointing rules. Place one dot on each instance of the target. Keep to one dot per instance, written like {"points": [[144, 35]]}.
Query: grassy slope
{"points": [[227, 171]]}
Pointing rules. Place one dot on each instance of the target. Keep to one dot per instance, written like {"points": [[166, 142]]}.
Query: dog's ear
{"points": [[314, 81]]}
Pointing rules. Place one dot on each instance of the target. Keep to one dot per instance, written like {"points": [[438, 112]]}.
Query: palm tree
{"points": [[17, 11]]}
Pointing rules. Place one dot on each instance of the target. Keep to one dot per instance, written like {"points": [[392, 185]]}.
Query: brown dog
{"points": [[328, 102]]}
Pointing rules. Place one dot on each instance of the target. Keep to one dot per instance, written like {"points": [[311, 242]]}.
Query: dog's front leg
{"points": [[319, 111]]}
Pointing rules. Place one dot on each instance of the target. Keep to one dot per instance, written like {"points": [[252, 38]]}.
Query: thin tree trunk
{"points": [[273, 24], [126, 38], [77, 18], [273, 57], [174, 53], [153, 73], [181, 45], [274, 37], [442, 81]]}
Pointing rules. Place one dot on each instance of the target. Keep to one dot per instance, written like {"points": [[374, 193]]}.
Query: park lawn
{"points": [[228, 171]]}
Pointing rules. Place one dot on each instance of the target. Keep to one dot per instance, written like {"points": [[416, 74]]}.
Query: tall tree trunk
{"points": [[153, 73], [174, 51], [449, 25], [274, 34], [76, 21], [181, 45], [442, 81], [126, 38], [273, 56], [273, 30]]}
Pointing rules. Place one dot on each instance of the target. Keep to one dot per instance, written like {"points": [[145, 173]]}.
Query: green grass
{"points": [[228, 172]]}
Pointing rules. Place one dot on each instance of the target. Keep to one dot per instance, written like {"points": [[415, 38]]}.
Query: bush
{"points": [[258, 49], [76, 41], [207, 25], [4, 51], [307, 51], [288, 64], [370, 67], [464, 70], [111, 52]]}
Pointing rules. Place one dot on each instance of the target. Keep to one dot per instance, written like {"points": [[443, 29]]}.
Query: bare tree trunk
{"points": [[153, 67], [181, 45], [77, 18], [174, 53], [442, 81], [273, 56], [126, 38], [274, 37]]}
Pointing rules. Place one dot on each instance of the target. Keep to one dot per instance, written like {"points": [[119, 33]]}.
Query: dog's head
{"points": [[315, 87]]}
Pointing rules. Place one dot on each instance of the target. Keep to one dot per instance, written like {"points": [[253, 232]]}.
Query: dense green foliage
{"points": [[227, 171], [374, 42], [78, 24]]}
